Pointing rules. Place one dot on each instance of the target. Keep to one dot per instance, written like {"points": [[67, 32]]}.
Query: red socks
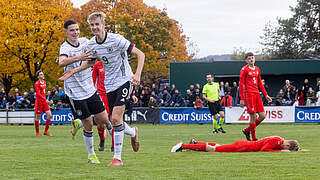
{"points": [[101, 133], [36, 125], [48, 122], [252, 127], [195, 147]]}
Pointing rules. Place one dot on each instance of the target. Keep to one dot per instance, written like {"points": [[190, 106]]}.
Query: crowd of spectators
{"points": [[305, 96], [56, 99], [170, 96]]}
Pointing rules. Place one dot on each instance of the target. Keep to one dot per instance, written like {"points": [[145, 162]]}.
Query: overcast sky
{"points": [[219, 26]]}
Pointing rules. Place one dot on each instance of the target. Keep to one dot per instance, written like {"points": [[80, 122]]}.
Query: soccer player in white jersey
{"points": [[79, 87], [118, 71], [113, 50]]}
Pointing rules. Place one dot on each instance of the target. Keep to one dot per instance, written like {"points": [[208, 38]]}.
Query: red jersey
{"points": [[98, 74], [40, 91], [250, 79], [272, 143]]}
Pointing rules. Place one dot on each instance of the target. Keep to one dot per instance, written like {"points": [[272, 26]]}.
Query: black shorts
{"points": [[215, 107], [85, 108], [120, 96], [75, 116]]}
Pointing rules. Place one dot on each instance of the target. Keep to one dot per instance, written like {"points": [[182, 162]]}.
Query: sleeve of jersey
{"points": [[124, 44], [263, 90], [242, 83], [64, 51], [39, 93]]}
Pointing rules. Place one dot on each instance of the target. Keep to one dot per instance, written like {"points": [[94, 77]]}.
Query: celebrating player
{"points": [[211, 93], [79, 87], [272, 143], [41, 104], [113, 50], [250, 80]]}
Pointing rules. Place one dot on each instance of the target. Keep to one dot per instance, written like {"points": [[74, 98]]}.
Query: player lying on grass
{"points": [[271, 143]]}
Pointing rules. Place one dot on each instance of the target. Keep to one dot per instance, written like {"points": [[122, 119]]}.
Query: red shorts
{"points": [[41, 107], [253, 103], [104, 99]]}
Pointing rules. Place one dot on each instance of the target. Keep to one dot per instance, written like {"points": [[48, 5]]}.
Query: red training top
{"points": [[98, 72], [250, 79], [40, 91], [272, 143]]}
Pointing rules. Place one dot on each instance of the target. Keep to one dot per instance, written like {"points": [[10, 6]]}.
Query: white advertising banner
{"points": [[274, 114]]}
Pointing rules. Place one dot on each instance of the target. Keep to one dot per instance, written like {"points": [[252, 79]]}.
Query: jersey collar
{"points": [[105, 37]]}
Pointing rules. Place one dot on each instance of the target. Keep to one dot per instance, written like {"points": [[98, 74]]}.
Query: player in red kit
{"points": [[250, 80], [98, 75], [41, 104], [271, 143]]}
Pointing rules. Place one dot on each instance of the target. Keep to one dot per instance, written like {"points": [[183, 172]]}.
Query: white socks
{"points": [[88, 140]]}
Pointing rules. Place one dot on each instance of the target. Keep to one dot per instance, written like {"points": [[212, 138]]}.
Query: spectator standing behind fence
{"points": [[193, 90], [226, 100], [280, 98], [266, 87], [10, 100], [318, 87], [198, 103], [198, 87], [16, 90], [288, 97], [154, 88], [172, 90], [32, 97], [300, 97], [222, 89], [165, 98], [289, 85], [189, 99], [318, 98], [305, 89], [177, 100], [4, 103], [227, 88], [311, 97], [235, 94]]}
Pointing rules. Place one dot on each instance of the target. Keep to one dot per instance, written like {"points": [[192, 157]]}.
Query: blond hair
{"points": [[95, 15], [294, 145]]}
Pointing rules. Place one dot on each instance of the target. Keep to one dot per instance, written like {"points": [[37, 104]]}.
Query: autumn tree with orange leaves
{"points": [[158, 36], [30, 34]]}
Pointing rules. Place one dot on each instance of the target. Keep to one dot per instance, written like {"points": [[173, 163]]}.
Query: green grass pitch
{"points": [[25, 156]]}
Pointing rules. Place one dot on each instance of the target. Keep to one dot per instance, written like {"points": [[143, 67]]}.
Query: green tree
{"points": [[296, 37]]}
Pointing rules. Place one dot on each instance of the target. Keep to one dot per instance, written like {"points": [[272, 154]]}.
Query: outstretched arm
{"points": [[64, 60], [67, 74]]}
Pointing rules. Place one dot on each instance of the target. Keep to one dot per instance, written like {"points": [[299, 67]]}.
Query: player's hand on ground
{"points": [[268, 99], [86, 56], [135, 79], [242, 103], [66, 75]]}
